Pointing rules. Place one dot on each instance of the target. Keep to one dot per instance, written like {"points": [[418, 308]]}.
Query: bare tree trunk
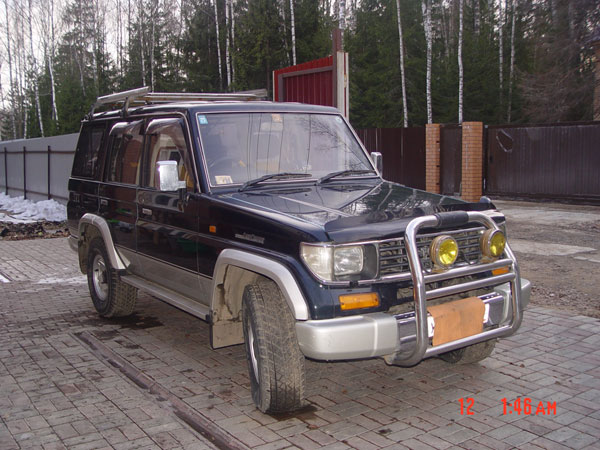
{"points": [[33, 70], [232, 41], [342, 16], [500, 48], [402, 78], [293, 25], [460, 61], [11, 92], [227, 43], [512, 61], [142, 45], [218, 44], [152, 41], [426, 7], [95, 46], [476, 17]]}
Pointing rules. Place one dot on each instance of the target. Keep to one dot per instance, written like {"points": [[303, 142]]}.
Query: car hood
{"points": [[350, 211]]}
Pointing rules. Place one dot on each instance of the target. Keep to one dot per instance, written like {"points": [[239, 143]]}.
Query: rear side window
{"points": [[125, 150], [85, 162]]}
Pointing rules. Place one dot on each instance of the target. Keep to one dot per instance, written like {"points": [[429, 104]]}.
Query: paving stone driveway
{"points": [[55, 393]]}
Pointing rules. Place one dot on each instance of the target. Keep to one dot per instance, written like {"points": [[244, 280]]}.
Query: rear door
{"points": [[117, 194], [167, 225]]}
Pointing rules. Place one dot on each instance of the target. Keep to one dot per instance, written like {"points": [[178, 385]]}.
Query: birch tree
{"points": [[426, 8], [402, 77], [218, 44], [512, 62], [227, 43], [500, 47], [11, 92], [33, 69], [293, 26], [460, 61]]}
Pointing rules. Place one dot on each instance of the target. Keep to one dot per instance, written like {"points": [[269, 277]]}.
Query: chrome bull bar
{"points": [[420, 279]]}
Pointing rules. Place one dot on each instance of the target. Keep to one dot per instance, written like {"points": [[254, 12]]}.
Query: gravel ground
{"points": [[557, 245], [558, 249]]}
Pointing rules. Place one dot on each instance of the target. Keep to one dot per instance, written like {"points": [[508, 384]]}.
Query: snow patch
{"points": [[26, 211]]}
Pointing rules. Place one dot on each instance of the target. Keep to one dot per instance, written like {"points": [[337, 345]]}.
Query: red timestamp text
{"points": [[524, 406]]}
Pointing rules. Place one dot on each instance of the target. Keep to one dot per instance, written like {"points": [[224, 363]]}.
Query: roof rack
{"points": [[143, 96]]}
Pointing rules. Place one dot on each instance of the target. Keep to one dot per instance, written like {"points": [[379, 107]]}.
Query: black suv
{"points": [[271, 222]]}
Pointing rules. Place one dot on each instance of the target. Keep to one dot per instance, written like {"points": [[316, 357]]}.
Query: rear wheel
{"points": [[471, 354], [111, 297], [275, 362]]}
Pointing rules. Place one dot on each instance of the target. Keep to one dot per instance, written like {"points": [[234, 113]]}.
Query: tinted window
{"points": [[126, 143], [166, 142], [85, 162]]}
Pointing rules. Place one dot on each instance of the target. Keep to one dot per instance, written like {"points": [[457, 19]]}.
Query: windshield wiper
{"points": [[341, 173], [271, 176]]}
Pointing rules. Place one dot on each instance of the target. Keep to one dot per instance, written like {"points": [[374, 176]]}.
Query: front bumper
{"points": [[381, 334], [406, 339]]}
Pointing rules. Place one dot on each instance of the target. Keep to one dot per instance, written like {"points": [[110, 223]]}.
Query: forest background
{"points": [[411, 61]]}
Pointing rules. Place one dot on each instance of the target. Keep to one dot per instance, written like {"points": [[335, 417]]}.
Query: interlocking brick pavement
{"points": [[55, 393]]}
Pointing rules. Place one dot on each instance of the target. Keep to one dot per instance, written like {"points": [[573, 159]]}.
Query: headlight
{"points": [[347, 260], [340, 262], [444, 251], [493, 243]]}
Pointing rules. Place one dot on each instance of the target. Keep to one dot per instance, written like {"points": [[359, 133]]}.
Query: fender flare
{"points": [[266, 267], [101, 225]]}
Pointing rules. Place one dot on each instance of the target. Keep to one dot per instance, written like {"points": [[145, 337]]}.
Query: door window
{"points": [[166, 142], [125, 152]]}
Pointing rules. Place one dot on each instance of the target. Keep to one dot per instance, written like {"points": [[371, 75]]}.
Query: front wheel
{"points": [[471, 354], [275, 362], [111, 297]]}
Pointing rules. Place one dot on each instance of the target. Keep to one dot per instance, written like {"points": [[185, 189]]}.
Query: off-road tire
{"points": [[111, 296], [471, 354], [275, 362]]}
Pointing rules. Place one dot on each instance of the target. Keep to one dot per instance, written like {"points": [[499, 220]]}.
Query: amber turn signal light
{"points": [[500, 271], [358, 301]]}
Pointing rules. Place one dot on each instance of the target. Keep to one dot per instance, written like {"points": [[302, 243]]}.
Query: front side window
{"points": [[239, 147], [125, 152], [166, 142]]}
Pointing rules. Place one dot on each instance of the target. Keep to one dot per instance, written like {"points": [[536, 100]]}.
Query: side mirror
{"points": [[377, 159], [167, 173]]}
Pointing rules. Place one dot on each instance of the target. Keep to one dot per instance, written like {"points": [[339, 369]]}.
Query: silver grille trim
{"points": [[393, 259]]}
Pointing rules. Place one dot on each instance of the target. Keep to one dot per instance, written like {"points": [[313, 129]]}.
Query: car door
{"points": [[167, 224], [117, 192]]}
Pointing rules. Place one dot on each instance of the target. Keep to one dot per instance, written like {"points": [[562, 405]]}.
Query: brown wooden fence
{"points": [[556, 161], [403, 151]]}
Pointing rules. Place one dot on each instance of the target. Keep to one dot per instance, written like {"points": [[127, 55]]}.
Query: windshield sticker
{"points": [[276, 118], [223, 179], [202, 120]]}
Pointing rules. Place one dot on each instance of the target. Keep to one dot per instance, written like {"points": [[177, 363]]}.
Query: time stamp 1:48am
{"points": [[520, 406]]}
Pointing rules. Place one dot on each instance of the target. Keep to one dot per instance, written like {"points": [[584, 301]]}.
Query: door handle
{"points": [[146, 211], [103, 202]]}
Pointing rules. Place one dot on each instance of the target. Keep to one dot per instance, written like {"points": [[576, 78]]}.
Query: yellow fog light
{"points": [[358, 301], [493, 243], [444, 251]]}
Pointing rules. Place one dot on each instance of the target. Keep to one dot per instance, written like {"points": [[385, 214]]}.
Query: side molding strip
{"points": [[99, 223], [267, 267]]}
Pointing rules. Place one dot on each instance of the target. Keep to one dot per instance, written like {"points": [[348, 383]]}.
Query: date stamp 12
{"points": [[520, 406]]}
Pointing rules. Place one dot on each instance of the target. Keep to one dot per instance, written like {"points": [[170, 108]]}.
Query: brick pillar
{"points": [[472, 161], [432, 157]]}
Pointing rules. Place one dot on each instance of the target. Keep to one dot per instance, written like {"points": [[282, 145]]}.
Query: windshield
{"points": [[240, 147]]}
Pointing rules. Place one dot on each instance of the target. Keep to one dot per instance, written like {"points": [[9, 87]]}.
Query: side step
{"points": [[168, 296]]}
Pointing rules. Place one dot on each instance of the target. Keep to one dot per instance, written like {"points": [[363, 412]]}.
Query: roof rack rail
{"points": [[144, 96]]}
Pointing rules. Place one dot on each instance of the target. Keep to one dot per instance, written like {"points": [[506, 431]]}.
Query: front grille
{"points": [[394, 260]]}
